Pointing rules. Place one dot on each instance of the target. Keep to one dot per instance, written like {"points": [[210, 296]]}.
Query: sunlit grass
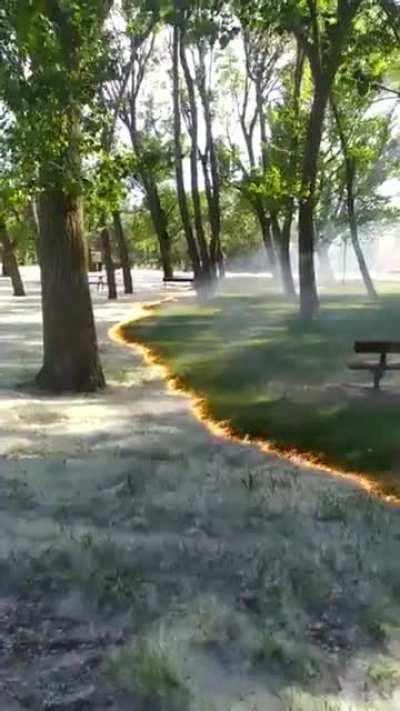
{"points": [[261, 369]]}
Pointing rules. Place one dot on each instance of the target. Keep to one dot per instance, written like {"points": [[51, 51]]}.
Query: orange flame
{"points": [[222, 429]]}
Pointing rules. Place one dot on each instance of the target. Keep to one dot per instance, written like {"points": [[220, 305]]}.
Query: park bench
{"points": [[97, 280], [379, 367], [178, 280]]}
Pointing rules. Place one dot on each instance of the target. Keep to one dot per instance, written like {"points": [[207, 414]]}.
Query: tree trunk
{"points": [[198, 217], [325, 262], [159, 221], [10, 260], [324, 65], [108, 262], [4, 266], [71, 361], [212, 186], [180, 186], [265, 225], [368, 283], [123, 253], [282, 240], [308, 287], [350, 174]]}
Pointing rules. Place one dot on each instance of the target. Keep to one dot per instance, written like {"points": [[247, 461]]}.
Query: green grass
{"points": [[258, 367]]}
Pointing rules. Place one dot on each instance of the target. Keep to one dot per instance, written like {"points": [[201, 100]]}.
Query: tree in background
{"points": [[137, 57]]}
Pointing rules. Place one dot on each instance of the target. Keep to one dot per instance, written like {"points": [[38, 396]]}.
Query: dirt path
{"points": [[241, 582]]}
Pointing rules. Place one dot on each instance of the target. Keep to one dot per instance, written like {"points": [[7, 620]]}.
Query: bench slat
{"points": [[374, 366], [178, 279], [377, 347]]}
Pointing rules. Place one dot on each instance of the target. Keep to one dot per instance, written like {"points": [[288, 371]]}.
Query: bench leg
{"points": [[377, 379]]}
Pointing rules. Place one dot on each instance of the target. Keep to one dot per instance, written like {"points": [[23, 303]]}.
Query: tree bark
{"points": [[212, 186], [123, 253], [159, 221], [282, 240], [308, 288], [198, 217], [71, 361], [10, 260], [350, 174], [324, 63], [368, 283], [4, 266], [108, 262], [265, 225], [180, 187]]}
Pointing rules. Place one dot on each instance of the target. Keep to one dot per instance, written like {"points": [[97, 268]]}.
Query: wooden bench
{"points": [[379, 367], [178, 280], [96, 280]]}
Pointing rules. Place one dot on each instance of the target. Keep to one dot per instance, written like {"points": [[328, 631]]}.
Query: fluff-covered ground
{"points": [[145, 564]]}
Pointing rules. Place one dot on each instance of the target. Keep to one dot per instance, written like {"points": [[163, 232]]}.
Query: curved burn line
{"points": [[223, 430]]}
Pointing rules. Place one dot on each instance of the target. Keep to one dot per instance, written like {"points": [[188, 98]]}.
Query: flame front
{"points": [[223, 430]]}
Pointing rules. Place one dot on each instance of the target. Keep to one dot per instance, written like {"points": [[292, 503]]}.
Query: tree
{"points": [[362, 138], [200, 272], [10, 260], [124, 93], [324, 34], [251, 95], [53, 58]]}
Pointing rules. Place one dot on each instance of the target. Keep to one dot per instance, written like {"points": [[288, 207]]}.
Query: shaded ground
{"points": [[259, 368], [146, 565]]}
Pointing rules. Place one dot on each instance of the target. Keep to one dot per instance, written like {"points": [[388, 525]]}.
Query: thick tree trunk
{"points": [[159, 221], [308, 287], [71, 361], [108, 262], [10, 260], [324, 65], [123, 253], [282, 241]]}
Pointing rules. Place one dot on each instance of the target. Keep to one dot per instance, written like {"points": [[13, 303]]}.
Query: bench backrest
{"points": [[377, 347]]}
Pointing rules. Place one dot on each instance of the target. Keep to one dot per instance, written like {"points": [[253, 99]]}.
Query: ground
{"points": [[258, 367], [146, 564]]}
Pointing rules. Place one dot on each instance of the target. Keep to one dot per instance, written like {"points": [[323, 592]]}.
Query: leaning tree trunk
{"points": [[108, 262], [123, 253], [10, 260], [71, 361], [369, 285], [350, 174]]}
